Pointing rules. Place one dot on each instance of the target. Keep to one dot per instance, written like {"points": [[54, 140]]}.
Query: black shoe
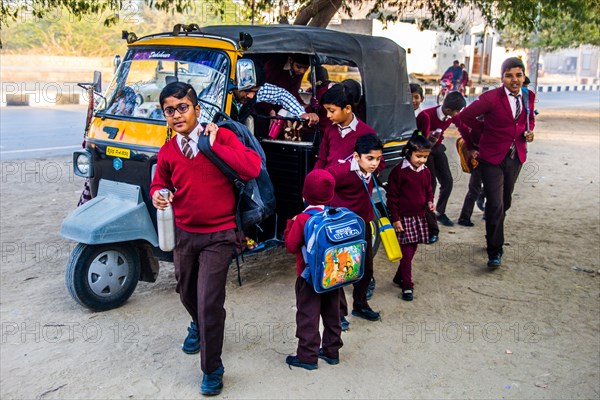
{"points": [[481, 202], [191, 344], [444, 220], [433, 239], [495, 261], [344, 324], [212, 383], [367, 313], [465, 222], [328, 360], [397, 281], [371, 289], [294, 361], [407, 294]]}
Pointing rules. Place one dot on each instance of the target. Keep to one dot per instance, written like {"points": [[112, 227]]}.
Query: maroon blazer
{"points": [[498, 129]]}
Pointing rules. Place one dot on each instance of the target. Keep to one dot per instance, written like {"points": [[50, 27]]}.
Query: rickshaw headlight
{"points": [[82, 164]]}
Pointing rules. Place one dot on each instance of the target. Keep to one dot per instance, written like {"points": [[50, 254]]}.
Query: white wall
{"points": [[422, 45]]}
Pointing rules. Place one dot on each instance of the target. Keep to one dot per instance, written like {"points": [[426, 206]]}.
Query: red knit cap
{"points": [[318, 187]]}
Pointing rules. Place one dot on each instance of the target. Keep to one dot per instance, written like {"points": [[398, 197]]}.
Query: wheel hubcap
{"points": [[108, 273]]}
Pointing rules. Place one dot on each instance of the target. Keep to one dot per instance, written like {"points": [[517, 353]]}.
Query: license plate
{"points": [[118, 152]]}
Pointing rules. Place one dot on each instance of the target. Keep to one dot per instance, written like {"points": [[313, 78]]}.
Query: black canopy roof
{"points": [[381, 62]]}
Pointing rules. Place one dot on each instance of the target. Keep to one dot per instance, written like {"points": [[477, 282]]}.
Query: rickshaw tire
{"points": [[78, 266], [375, 237]]}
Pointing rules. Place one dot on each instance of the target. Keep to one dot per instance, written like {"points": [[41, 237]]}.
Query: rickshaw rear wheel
{"points": [[375, 238], [102, 277]]}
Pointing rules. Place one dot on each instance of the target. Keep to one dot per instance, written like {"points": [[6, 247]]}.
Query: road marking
{"points": [[40, 149]]}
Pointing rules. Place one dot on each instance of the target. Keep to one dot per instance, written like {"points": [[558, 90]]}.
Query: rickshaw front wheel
{"points": [[102, 277]]}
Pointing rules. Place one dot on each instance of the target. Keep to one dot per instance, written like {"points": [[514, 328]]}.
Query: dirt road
{"points": [[527, 330]]}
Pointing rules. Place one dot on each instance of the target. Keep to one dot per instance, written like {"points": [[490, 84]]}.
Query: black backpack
{"points": [[256, 197]]}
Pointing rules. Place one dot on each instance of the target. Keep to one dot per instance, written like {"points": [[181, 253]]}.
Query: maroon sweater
{"points": [[423, 123], [408, 192], [350, 192], [435, 123], [294, 238], [334, 147], [204, 199]]}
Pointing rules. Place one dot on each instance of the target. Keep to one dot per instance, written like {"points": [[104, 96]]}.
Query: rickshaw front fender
{"points": [[117, 214]]}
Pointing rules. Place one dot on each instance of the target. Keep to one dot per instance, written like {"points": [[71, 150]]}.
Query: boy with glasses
{"points": [[203, 201]]}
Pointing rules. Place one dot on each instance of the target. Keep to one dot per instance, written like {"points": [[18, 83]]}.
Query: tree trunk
{"points": [[533, 60], [317, 13]]}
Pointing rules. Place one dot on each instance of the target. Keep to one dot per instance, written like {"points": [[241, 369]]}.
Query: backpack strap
{"points": [[204, 147], [378, 194]]}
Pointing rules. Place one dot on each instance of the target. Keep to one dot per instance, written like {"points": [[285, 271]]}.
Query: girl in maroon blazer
{"points": [[503, 119], [409, 196]]}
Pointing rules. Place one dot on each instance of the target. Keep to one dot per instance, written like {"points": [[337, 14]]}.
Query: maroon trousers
{"points": [[201, 265], [310, 307], [404, 272], [361, 287], [498, 184]]}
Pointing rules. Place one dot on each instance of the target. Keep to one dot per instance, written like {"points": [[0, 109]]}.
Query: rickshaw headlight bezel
{"points": [[82, 164]]}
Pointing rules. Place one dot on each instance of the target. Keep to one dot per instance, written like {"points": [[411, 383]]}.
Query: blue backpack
{"points": [[335, 248]]}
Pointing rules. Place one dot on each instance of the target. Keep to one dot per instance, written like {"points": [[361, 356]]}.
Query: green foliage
{"points": [[549, 24], [60, 32], [557, 25]]}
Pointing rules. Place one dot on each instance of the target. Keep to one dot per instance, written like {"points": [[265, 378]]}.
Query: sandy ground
{"points": [[527, 330]]}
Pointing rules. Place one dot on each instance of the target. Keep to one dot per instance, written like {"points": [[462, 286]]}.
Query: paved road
{"points": [[37, 132]]}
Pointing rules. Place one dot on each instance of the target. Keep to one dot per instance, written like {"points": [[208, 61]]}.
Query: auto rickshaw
{"points": [[116, 230]]}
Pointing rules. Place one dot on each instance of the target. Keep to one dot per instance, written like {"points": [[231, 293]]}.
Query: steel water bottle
{"points": [[166, 225]]}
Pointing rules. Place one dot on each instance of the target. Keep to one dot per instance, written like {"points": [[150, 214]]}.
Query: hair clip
{"points": [[419, 133]]}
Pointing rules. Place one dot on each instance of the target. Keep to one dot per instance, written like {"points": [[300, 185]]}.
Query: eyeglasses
{"points": [[182, 108]]}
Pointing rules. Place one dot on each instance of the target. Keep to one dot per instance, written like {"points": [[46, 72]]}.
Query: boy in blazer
{"points": [[500, 117]]}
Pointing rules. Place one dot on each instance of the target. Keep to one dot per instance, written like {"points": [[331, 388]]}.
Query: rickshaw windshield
{"points": [[135, 89]]}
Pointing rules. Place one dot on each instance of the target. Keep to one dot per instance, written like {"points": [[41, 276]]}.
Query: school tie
{"points": [[344, 130], [186, 149], [518, 103]]}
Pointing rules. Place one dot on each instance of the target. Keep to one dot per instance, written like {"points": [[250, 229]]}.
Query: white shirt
{"points": [[344, 130], [356, 168], [418, 111], [407, 164], [512, 100], [440, 114], [193, 140]]}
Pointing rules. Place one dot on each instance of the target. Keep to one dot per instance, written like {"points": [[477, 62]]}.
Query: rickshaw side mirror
{"points": [[97, 82], [245, 74]]}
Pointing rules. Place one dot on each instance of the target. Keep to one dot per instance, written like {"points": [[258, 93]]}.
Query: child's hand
{"points": [[160, 202], [431, 206], [398, 226], [211, 129], [528, 136]]}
